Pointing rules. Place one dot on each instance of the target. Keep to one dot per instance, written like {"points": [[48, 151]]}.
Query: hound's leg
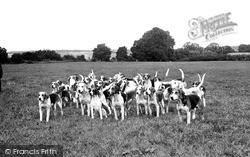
{"points": [[88, 109], [122, 112], [77, 103], [104, 102], [104, 113], [115, 113], [204, 101], [55, 113], [100, 112], [137, 109], [149, 109], [48, 112], [92, 112], [194, 116], [167, 105], [179, 114], [60, 106], [146, 109], [188, 117], [41, 113], [82, 107], [162, 107], [157, 109]]}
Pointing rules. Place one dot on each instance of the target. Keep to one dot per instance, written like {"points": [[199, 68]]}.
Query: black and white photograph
{"points": [[124, 78]]}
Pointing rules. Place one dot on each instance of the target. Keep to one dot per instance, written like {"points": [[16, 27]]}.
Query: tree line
{"points": [[155, 45]]}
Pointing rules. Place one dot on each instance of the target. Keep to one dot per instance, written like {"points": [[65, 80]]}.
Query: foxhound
{"points": [[198, 90], [96, 103], [202, 90], [55, 85], [141, 99], [152, 99], [188, 103], [74, 79], [117, 99], [47, 101], [84, 97]]}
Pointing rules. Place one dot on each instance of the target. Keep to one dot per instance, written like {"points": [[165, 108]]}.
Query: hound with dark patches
{"points": [[152, 99], [47, 101], [189, 103], [117, 99], [202, 89], [141, 99]]}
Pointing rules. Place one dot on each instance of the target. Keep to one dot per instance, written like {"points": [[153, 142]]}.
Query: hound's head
{"points": [[115, 89], [118, 77], [43, 96], [167, 90], [140, 90], [94, 92], [146, 76], [73, 79], [196, 83], [81, 87], [150, 91], [67, 87], [177, 94], [56, 84], [103, 78], [92, 75]]}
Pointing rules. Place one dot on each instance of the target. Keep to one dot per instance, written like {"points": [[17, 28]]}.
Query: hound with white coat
{"points": [[47, 101], [141, 99], [117, 99], [152, 99]]}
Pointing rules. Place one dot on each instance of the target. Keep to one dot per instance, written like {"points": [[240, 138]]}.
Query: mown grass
{"points": [[224, 132]]}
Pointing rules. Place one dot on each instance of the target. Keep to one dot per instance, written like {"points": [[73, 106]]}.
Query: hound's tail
{"points": [[182, 75], [167, 72], [202, 80]]}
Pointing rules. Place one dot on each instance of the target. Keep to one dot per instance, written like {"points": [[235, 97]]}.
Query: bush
{"points": [[81, 58], [17, 58], [69, 57]]}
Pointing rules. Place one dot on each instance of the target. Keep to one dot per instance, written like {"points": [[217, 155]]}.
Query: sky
{"points": [[83, 24]]}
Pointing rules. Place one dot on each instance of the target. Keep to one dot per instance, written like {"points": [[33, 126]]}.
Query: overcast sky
{"points": [[82, 24]]}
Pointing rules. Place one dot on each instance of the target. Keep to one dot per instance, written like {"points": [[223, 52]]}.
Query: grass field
{"points": [[224, 132]]}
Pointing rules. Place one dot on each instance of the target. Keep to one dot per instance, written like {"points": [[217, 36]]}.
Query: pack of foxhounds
{"points": [[106, 94]]}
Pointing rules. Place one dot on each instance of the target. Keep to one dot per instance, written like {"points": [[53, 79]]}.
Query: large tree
{"points": [[227, 49], [3, 55], [122, 54], [193, 47], [214, 47], [244, 48], [155, 45], [101, 53]]}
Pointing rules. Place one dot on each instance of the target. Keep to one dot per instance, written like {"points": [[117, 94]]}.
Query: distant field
{"points": [[224, 132]]}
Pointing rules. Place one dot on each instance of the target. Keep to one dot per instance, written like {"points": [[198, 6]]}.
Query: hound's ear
{"points": [[46, 96], [167, 73], [169, 90], [199, 77], [68, 78], [59, 82], [182, 94], [77, 78], [156, 73], [153, 90]]}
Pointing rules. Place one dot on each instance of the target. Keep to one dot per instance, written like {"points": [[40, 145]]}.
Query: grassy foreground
{"points": [[224, 132]]}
